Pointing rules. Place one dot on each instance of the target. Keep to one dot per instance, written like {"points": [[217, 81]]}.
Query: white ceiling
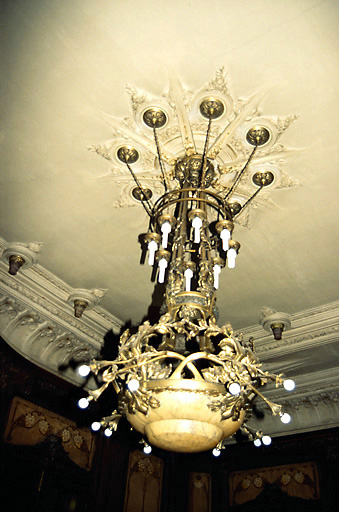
{"points": [[66, 63]]}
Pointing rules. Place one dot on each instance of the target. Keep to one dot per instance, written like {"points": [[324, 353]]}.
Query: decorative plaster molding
{"points": [[37, 321], [185, 129], [29, 252], [310, 328]]}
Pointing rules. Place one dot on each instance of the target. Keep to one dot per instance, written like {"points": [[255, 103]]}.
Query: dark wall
{"points": [[42, 477]]}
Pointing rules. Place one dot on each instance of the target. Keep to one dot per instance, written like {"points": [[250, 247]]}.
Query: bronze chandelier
{"points": [[185, 383]]}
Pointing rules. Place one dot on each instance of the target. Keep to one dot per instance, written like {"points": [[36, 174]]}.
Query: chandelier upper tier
{"points": [[185, 383]]}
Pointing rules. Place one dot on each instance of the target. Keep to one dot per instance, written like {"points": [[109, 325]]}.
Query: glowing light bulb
{"points": [[152, 247], [225, 236], [196, 224], [216, 273], [188, 276], [234, 388], [162, 267], [216, 452], [108, 432], [147, 449], [166, 229], [84, 370], [96, 425], [257, 443], [289, 384], [133, 385], [285, 418], [266, 440], [83, 403], [231, 255]]}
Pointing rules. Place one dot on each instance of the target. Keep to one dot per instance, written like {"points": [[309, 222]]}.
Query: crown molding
{"points": [[310, 328], [38, 322]]}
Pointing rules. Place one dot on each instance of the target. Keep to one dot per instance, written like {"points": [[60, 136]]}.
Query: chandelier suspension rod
{"points": [[250, 199], [204, 156], [159, 158], [144, 199], [240, 174]]}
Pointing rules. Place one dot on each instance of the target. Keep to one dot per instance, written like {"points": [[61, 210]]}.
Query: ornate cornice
{"points": [[37, 321], [310, 328], [308, 353]]}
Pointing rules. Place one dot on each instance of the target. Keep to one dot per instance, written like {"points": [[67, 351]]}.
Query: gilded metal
{"points": [[190, 264], [224, 224], [234, 206], [196, 212], [205, 197], [15, 263], [219, 261], [154, 117], [148, 237], [160, 403], [212, 108], [173, 378], [188, 171], [142, 193], [263, 178], [258, 136], [234, 245], [163, 254], [128, 154], [277, 329], [166, 217], [79, 307]]}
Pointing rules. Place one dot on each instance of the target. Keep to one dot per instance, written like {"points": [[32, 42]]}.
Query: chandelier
{"points": [[185, 383]]}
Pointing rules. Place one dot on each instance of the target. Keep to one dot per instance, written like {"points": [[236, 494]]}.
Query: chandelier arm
{"points": [[216, 359], [278, 379], [229, 130], [190, 366], [159, 158], [275, 408], [240, 173], [204, 155], [250, 199], [192, 357], [96, 393], [254, 434], [149, 207], [165, 355]]}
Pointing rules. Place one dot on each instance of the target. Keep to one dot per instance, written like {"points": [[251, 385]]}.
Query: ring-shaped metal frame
{"points": [[221, 206]]}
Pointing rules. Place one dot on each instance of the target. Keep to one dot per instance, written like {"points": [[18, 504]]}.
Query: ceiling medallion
{"points": [[185, 383]]}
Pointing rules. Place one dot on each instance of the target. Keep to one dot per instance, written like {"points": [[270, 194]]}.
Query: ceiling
{"points": [[65, 65]]}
